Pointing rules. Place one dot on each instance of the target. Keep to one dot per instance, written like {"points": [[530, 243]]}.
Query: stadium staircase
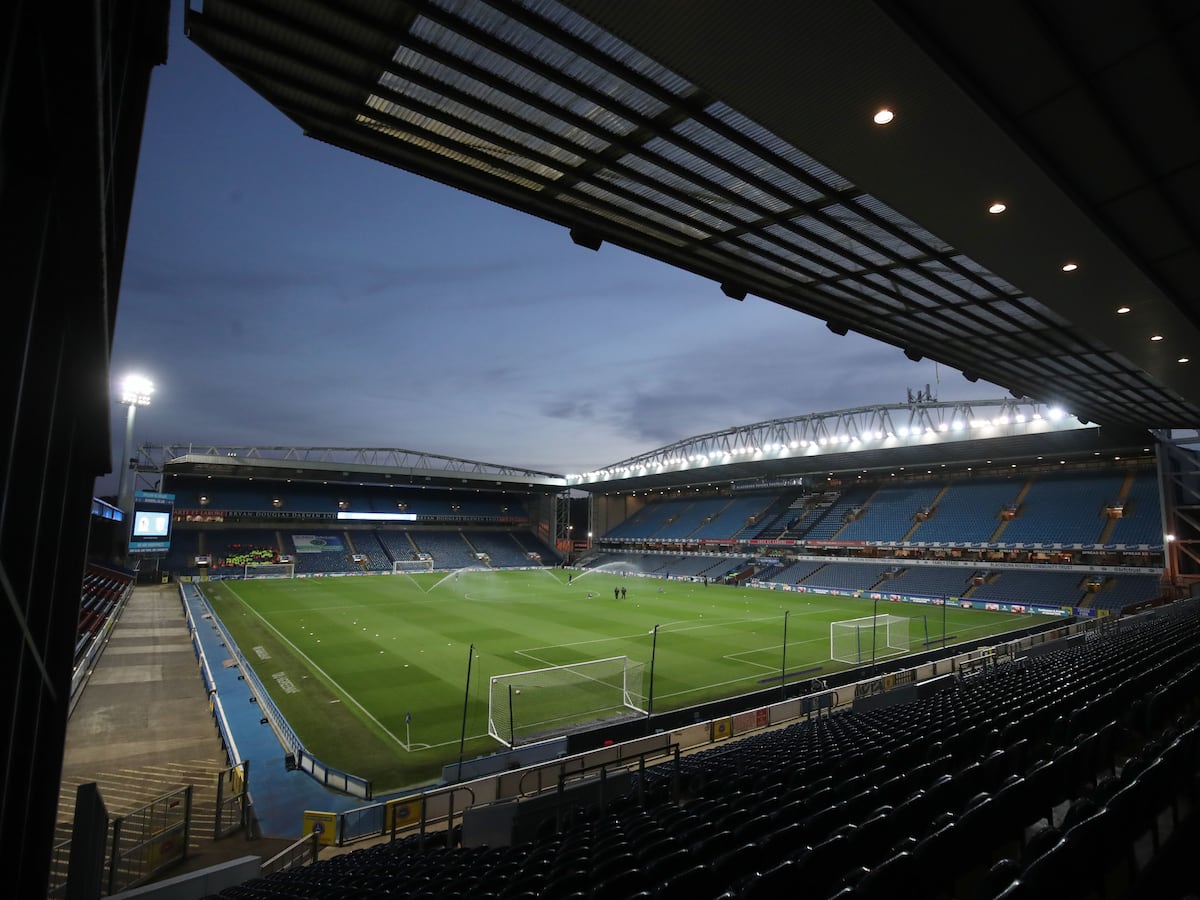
{"points": [[1018, 503], [1122, 498], [917, 523]]}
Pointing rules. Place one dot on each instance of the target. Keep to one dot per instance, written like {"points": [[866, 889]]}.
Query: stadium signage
{"points": [[884, 683]]}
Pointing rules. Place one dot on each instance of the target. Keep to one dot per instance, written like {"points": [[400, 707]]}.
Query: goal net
{"points": [[526, 706], [412, 565], [270, 570], [871, 637]]}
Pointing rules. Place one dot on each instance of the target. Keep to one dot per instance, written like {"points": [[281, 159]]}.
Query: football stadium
{"points": [[926, 647]]}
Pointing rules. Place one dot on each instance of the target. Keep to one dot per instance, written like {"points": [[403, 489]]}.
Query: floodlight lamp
{"points": [[1056, 414], [1002, 420], [1019, 417], [135, 391], [943, 426], [957, 425], [1168, 538], [903, 431]]}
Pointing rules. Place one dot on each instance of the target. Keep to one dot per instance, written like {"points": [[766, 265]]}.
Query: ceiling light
{"points": [[1156, 337], [1121, 310], [884, 116], [997, 208], [1070, 267], [1183, 359]]}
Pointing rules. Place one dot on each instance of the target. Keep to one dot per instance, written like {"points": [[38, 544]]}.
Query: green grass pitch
{"points": [[347, 659]]}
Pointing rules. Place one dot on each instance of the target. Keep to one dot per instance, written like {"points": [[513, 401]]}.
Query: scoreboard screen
{"points": [[151, 528]]}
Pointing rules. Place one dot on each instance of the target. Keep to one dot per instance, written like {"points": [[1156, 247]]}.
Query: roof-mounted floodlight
{"points": [[135, 391]]}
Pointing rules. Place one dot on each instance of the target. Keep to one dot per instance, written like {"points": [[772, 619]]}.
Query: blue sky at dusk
{"points": [[280, 291]]}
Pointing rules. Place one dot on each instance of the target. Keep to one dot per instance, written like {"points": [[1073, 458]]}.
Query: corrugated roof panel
{"points": [[905, 294], [1020, 313], [607, 212], [609, 44], [487, 96], [887, 298], [796, 272], [790, 236], [692, 213], [509, 91], [700, 187], [571, 67], [844, 240], [1001, 286], [954, 280], [446, 152], [482, 122], [777, 147], [894, 243], [787, 190], [676, 225], [910, 228], [803, 264], [917, 280]]}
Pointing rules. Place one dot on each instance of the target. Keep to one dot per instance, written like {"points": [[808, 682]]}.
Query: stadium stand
{"points": [[309, 559], [501, 548], [734, 517], [1124, 590], [968, 512], [834, 520], [797, 571], [1056, 588], [647, 521], [931, 581], [690, 519], [368, 544], [448, 548], [100, 593], [1066, 510], [891, 512], [846, 576], [1141, 519], [1069, 773], [530, 543]]}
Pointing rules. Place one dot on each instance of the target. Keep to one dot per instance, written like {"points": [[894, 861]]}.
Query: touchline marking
{"points": [[317, 668]]}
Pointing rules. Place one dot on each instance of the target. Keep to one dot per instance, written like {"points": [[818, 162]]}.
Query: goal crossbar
{"points": [[269, 570], [538, 703], [868, 637]]}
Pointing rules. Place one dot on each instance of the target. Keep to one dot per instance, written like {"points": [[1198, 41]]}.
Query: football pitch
{"points": [[372, 672]]}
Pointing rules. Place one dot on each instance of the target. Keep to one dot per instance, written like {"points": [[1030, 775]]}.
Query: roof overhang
{"points": [[741, 147]]}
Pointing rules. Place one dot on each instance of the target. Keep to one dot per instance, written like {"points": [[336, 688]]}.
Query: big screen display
{"points": [[150, 531]]}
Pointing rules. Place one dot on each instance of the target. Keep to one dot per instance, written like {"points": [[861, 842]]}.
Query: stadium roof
{"points": [[951, 437], [742, 147], [343, 465]]}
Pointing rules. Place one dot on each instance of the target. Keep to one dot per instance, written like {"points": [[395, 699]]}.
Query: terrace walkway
{"points": [[142, 728]]}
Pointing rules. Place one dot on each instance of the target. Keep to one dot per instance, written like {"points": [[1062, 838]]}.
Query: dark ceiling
{"points": [[741, 147]]}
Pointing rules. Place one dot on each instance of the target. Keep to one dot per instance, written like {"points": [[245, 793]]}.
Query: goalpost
{"points": [[402, 566], [270, 570], [523, 706], [859, 640]]}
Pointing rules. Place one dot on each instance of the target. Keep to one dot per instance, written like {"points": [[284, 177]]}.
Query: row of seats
{"points": [[994, 786], [100, 592], [1055, 509]]}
